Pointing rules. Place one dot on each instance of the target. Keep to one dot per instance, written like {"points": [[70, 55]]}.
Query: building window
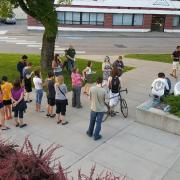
{"points": [[138, 20], [176, 21], [127, 19], [80, 18]]}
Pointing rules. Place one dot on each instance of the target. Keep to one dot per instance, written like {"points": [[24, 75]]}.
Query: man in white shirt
{"points": [[159, 86]]}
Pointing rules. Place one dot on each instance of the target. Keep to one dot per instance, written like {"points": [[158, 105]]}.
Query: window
{"points": [[100, 19], [68, 18], [138, 20], [61, 17], [127, 19], [176, 21], [117, 19], [85, 18], [76, 18]]}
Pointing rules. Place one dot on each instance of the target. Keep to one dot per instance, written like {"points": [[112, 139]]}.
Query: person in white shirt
{"points": [[159, 86], [39, 90]]}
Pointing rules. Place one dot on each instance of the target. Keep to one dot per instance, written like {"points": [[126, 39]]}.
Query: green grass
{"points": [[174, 102], [8, 67], [165, 58]]}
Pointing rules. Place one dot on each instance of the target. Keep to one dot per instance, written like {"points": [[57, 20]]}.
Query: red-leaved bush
{"points": [[28, 164]]}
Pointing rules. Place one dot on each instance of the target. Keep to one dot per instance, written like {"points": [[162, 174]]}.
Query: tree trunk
{"points": [[47, 51]]}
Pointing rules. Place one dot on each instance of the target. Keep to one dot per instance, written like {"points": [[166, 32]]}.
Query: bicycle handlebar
{"points": [[124, 90]]}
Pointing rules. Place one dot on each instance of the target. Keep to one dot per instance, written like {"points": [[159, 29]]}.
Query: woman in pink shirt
{"points": [[76, 87]]}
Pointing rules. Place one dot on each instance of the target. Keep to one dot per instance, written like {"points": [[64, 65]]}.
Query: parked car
{"points": [[9, 20]]}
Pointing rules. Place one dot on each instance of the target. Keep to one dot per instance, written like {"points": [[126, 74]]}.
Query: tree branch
{"points": [[26, 9]]}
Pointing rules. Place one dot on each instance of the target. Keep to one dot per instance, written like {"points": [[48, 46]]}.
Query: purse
{"points": [[66, 100]]}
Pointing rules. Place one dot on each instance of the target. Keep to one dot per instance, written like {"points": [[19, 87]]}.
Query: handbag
{"points": [[66, 100]]}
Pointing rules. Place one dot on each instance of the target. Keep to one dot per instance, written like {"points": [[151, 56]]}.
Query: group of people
{"points": [[161, 86], [15, 96]]}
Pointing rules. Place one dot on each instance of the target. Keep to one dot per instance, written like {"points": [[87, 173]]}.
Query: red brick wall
{"points": [[108, 20], [147, 21], [168, 22], [32, 22]]}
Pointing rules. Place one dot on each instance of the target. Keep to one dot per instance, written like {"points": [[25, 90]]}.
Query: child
{"points": [[2, 113], [6, 91], [19, 104], [39, 90], [76, 87], [50, 95]]}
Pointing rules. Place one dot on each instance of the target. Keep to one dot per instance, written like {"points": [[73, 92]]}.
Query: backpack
{"points": [[115, 84]]}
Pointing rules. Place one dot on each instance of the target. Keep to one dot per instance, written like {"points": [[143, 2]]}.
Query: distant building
{"points": [[20, 14], [117, 16]]}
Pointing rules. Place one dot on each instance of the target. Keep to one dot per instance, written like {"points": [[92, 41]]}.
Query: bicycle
{"points": [[123, 106]]}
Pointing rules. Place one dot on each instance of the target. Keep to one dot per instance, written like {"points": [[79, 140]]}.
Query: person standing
{"points": [[61, 100], [114, 84], [70, 54], [88, 76], [106, 68], [6, 91], [39, 90], [20, 66], [27, 75], [176, 58], [76, 88], [19, 105], [50, 95], [97, 97], [57, 65], [119, 64], [2, 113]]}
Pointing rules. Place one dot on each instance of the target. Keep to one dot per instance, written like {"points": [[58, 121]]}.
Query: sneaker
{"points": [[97, 138], [17, 125], [52, 115], [90, 135], [47, 115], [23, 125], [64, 123], [5, 128], [78, 107]]}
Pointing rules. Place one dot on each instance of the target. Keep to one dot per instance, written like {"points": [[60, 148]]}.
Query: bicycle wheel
{"points": [[106, 114], [124, 108]]}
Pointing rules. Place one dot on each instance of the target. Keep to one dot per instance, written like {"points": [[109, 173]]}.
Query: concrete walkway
{"points": [[127, 148]]}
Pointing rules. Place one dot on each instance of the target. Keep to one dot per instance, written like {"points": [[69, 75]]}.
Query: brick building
{"points": [[117, 16]]}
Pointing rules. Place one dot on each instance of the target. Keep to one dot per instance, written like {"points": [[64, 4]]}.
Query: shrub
{"points": [[28, 164], [174, 102]]}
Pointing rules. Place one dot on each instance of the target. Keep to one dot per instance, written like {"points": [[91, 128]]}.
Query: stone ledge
{"points": [[158, 119]]}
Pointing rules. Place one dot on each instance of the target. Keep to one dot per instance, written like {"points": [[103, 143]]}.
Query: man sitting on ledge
{"points": [[160, 86]]}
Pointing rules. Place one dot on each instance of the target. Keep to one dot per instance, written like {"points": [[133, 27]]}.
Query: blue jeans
{"points": [[95, 118], [70, 65], [39, 95], [76, 102]]}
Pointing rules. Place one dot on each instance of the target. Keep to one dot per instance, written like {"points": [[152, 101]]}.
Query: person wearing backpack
{"points": [[114, 84]]}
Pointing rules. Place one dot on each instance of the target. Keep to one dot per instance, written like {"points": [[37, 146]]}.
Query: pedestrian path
{"points": [[127, 148]]}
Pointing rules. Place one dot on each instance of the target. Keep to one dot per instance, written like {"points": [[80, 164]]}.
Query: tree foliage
{"points": [[43, 11], [5, 8]]}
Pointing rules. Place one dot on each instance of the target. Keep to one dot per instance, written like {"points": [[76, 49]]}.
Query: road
{"points": [[16, 38]]}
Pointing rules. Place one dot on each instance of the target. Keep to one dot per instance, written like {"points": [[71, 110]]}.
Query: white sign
{"points": [[161, 3]]}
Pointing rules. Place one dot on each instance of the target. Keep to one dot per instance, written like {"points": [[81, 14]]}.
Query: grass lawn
{"points": [[8, 66], [165, 58], [174, 102]]}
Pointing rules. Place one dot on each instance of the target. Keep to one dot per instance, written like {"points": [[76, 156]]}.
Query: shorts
{"points": [[114, 99], [1, 105], [175, 65], [51, 101], [28, 85], [7, 102], [58, 74], [61, 107]]}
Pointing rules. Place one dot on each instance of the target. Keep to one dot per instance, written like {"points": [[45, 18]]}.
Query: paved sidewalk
{"points": [[129, 148]]}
